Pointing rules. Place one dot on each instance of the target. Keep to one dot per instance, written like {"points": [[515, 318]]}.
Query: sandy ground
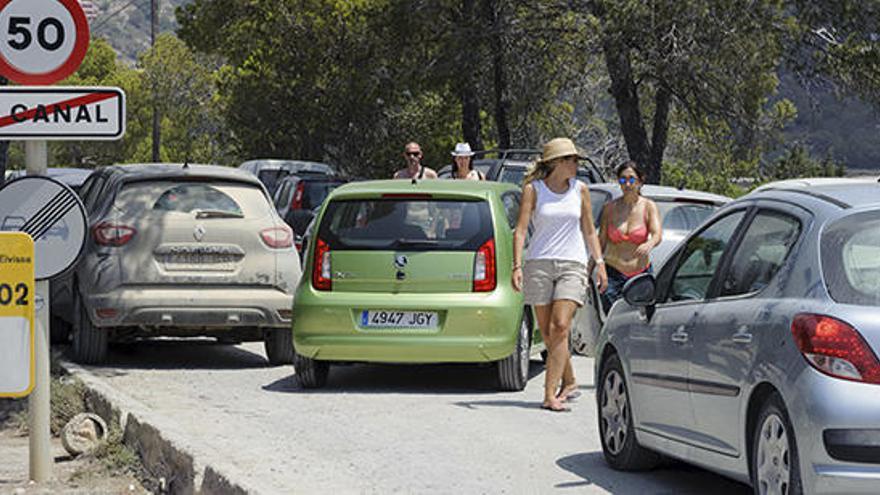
{"points": [[81, 476]]}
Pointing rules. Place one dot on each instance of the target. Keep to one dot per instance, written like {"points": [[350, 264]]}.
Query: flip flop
{"points": [[554, 409]]}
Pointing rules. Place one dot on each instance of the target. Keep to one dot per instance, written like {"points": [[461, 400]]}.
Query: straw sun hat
{"points": [[558, 148]]}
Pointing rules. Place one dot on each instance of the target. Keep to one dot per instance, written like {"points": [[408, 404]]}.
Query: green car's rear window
{"points": [[851, 259], [406, 224]]}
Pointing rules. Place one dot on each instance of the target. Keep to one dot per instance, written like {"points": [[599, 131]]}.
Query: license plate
{"points": [[399, 319]]}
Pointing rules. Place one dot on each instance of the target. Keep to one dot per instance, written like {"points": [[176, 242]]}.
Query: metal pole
{"points": [[36, 159], [154, 31]]}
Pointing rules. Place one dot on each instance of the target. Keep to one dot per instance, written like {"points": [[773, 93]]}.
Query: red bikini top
{"points": [[636, 236]]}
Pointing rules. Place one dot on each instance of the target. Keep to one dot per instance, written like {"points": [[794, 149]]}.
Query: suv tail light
{"points": [[484, 267], [297, 202], [321, 266], [277, 237], [835, 348], [111, 234]]}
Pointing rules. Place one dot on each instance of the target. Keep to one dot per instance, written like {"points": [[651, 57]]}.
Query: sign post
{"points": [[45, 42]]}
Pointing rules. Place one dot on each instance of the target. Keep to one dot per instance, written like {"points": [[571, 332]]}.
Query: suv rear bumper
{"points": [[194, 307]]}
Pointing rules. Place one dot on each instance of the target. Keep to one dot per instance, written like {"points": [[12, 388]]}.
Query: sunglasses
{"points": [[411, 153], [624, 180]]}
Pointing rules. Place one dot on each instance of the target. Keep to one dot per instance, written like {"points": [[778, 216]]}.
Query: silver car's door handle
{"points": [[680, 335], [742, 335]]}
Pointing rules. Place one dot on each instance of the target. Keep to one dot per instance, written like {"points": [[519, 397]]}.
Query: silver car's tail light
{"points": [[277, 237], [835, 348], [484, 267], [321, 266], [111, 234]]}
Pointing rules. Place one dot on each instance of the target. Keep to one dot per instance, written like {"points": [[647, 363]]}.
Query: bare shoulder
{"points": [[430, 173]]}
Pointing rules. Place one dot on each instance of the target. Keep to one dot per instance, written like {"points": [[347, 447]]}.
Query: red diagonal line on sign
{"points": [[50, 108]]}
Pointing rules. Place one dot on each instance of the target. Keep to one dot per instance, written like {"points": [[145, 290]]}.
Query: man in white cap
{"points": [[412, 155], [463, 159]]}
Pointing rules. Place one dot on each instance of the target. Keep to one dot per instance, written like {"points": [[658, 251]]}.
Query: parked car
{"points": [[182, 250], [414, 273], [297, 198], [511, 166], [60, 295], [271, 171], [681, 211], [754, 351]]}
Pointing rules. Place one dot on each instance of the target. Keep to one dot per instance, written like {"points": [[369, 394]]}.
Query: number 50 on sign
{"points": [[16, 314]]}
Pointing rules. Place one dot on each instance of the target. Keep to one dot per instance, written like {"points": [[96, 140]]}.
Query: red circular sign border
{"points": [[69, 66]]}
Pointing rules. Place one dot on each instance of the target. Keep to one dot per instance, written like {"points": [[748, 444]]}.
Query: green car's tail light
{"points": [[484, 267], [835, 348], [321, 266], [111, 234]]}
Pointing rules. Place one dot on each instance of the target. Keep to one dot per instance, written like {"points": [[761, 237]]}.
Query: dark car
{"points": [[72, 177], [298, 196], [272, 171]]}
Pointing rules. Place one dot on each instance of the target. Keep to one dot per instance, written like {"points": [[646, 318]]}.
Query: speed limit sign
{"points": [[41, 41]]}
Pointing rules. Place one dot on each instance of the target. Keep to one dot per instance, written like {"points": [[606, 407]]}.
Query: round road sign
{"points": [[52, 214], [41, 41]]}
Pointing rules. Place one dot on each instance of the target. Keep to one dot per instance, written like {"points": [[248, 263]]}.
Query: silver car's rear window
{"points": [[851, 259], [410, 224], [683, 215], [220, 198]]}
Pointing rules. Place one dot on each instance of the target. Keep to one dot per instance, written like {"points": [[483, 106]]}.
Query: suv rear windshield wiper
{"points": [[217, 214]]}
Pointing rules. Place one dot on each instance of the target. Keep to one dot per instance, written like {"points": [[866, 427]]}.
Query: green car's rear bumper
{"points": [[473, 327]]}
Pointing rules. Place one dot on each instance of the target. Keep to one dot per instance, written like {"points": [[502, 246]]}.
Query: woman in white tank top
{"points": [[555, 270]]}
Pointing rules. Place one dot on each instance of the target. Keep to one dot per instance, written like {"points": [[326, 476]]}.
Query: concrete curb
{"points": [[164, 450]]}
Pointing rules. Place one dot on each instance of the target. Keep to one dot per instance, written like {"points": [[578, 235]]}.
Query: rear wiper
{"points": [[415, 243], [217, 214]]}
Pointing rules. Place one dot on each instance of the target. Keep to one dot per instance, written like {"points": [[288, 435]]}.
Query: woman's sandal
{"points": [[569, 393], [555, 407]]}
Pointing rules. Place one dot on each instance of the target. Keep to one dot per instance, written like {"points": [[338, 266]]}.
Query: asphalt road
{"points": [[381, 429]]}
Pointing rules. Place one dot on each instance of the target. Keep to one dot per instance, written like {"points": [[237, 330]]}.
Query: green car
{"points": [[403, 272]]}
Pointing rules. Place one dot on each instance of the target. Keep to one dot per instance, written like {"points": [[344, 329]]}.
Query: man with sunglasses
{"points": [[412, 156]]}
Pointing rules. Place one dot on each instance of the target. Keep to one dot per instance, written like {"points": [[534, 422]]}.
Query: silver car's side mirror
{"points": [[639, 290]]}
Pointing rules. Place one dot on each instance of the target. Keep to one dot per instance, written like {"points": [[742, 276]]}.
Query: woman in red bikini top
{"points": [[629, 229]]}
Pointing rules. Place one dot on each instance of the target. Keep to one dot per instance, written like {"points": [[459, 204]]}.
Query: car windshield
{"points": [[410, 224], [851, 259], [515, 175]]}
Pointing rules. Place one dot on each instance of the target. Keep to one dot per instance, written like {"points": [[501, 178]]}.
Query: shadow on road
{"points": [[403, 378], [175, 354], [687, 479]]}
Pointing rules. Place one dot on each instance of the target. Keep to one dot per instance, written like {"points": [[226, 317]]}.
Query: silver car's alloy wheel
{"points": [[615, 412], [774, 470]]}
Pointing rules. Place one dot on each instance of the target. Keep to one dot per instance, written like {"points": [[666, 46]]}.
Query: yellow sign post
{"points": [[17, 346]]}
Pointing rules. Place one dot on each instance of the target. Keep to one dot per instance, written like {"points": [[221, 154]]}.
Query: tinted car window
{"points": [[191, 197], [316, 191], [271, 178], [683, 216], [761, 253], [281, 197], [414, 225], [851, 259], [598, 199], [700, 259], [512, 175]]}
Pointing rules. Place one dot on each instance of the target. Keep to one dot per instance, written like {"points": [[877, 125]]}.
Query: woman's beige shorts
{"points": [[548, 280]]}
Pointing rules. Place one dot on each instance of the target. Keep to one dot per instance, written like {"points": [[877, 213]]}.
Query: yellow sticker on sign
{"points": [[16, 314]]}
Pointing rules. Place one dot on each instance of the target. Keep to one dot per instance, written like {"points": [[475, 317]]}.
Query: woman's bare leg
{"points": [[558, 358]]}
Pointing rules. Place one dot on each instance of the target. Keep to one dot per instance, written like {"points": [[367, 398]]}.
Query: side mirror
{"points": [[639, 290]]}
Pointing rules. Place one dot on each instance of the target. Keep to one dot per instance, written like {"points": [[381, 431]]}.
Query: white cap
{"points": [[462, 149]]}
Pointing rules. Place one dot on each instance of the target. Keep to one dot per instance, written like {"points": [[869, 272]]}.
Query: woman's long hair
{"points": [[538, 171]]}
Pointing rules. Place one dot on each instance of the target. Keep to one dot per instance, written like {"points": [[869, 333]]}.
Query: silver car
{"points": [[754, 351], [183, 250], [681, 210]]}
